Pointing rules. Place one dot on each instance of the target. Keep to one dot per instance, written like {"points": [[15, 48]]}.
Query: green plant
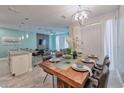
{"points": [[67, 62], [68, 50], [68, 56]]}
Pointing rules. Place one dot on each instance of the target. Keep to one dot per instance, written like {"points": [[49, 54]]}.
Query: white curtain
{"points": [[108, 41], [57, 43], [61, 42]]}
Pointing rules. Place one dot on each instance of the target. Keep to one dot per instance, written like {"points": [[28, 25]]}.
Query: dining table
{"points": [[65, 74]]}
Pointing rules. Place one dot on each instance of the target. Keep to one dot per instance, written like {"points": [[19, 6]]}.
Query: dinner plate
{"points": [[92, 56], [75, 67], [54, 59], [87, 60]]}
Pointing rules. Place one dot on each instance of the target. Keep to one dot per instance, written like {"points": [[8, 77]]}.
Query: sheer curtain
{"points": [[57, 43], [61, 42], [108, 41]]}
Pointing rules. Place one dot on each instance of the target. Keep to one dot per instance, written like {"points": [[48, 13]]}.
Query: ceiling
{"points": [[44, 17]]}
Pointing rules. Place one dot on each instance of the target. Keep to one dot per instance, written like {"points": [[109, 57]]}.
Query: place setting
{"points": [[79, 66], [92, 56], [55, 60], [88, 60]]}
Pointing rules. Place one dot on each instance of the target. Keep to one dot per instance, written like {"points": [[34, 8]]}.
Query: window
{"points": [[61, 42]]}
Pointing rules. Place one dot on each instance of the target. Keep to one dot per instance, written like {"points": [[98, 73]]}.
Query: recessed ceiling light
{"points": [[22, 23], [26, 18]]}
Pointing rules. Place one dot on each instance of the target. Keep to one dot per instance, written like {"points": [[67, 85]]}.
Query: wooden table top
{"points": [[74, 78]]}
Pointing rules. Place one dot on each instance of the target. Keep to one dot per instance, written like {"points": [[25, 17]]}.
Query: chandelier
{"points": [[81, 15]]}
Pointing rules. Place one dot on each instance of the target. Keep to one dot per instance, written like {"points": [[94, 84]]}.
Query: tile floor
{"points": [[122, 75], [113, 81], [35, 78]]}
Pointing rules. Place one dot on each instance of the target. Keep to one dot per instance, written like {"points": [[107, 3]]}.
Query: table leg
{"points": [[62, 84]]}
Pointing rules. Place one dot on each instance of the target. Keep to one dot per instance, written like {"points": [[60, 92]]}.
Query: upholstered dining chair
{"points": [[99, 67], [105, 62], [103, 77], [91, 83], [99, 81], [97, 70], [47, 74]]}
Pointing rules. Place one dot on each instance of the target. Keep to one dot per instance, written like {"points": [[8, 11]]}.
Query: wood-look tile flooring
{"points": [[34, 79]]}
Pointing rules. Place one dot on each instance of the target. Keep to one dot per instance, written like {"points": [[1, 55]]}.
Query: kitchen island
{"points": [[20, 62]]}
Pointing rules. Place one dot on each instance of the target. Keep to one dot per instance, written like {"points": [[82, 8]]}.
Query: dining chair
{"points": [[34, 56], [99, 67], [59, 54], [105, 62], [103, 77], [99, 81], [98, 70], [47, 74], [91, 83]]}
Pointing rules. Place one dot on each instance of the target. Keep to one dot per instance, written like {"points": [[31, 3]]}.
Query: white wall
{"points": [[93, 40], [99, 19]]}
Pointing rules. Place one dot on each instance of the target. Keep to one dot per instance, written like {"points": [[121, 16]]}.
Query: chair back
{"points": [[103, 78], [45, 58], [59, 54], [106, 61]]}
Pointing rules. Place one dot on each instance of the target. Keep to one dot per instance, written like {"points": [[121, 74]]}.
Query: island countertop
{"points": [[18, 52]]}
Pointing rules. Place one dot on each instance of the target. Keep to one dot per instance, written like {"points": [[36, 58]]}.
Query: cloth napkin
{"points": [[84, 68], [88, 69]]}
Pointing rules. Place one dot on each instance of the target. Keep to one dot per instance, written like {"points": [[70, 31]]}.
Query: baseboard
{"points": [[120, 78], [4, 59]]}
